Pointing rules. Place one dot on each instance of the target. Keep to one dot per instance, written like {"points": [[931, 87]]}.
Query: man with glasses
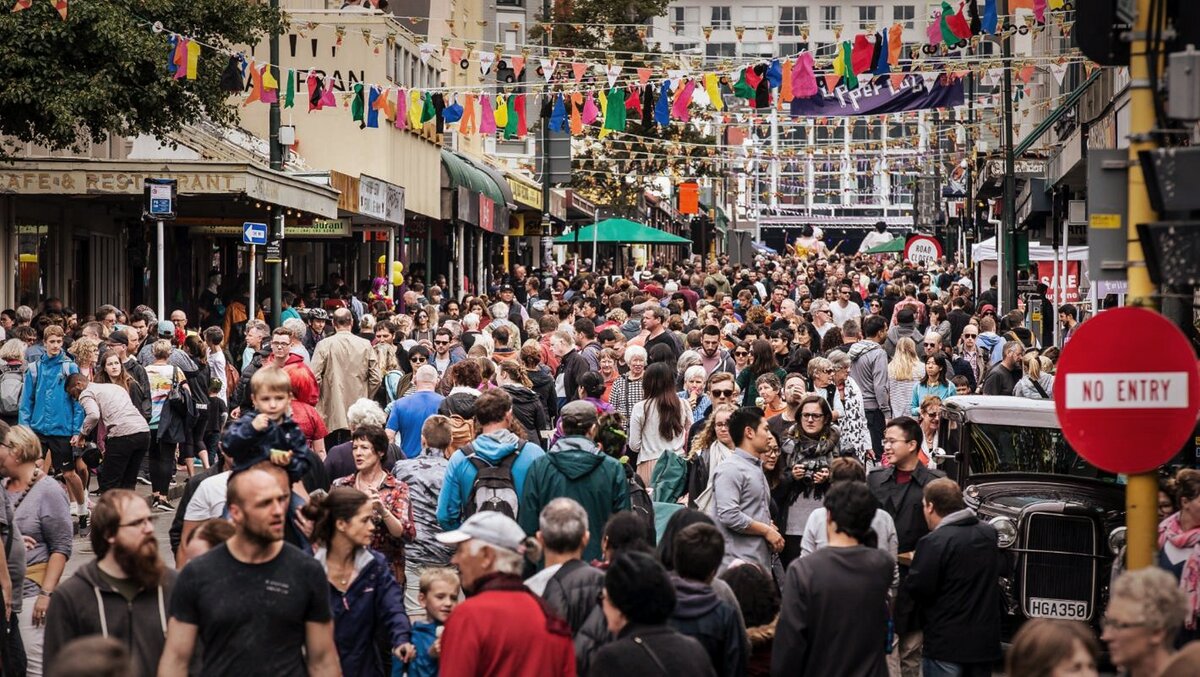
{"points": [[304, 382], [822, 315], [898, 489], [844, 309], [935, 343], [119, 594], [969, 352]]}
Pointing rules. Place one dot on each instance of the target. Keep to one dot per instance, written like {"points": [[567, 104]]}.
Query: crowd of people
{"points": [[696, 468]]}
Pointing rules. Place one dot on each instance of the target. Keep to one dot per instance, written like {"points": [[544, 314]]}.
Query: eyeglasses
{"points": [[441, 343], [970, 336], [740, 353], [1110, 624], [771, 452], [722, 393], [417, 358], [830, 370], [140, 524], [931, 345], [933, 414], [281, 344], [811, 417]]}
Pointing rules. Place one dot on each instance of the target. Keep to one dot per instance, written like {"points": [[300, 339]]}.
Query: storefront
{"points": [[524, 242], [74, 228], [476, 204]]}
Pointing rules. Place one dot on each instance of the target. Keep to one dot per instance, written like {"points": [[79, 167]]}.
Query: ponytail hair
{"points": [[326, 509]]}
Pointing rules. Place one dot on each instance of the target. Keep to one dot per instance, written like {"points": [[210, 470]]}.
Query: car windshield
{"points": [[1005, 448]]}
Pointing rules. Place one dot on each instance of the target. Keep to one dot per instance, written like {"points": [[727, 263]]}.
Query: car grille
{"points": [[1058, 559]]}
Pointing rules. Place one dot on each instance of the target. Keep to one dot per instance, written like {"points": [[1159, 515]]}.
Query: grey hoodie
{"points": [[869, 370]]}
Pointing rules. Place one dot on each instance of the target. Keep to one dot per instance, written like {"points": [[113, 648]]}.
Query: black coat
{"points": [[954, 581], [572, 367], [528, 409], [651, 650], [699, 613], [573, 591], [543, 385]]}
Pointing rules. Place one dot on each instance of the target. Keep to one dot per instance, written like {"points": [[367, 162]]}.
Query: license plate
{"points": [[1041, 607]]}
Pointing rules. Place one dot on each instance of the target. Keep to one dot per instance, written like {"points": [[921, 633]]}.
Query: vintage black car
{"points": [[1059, 520]]}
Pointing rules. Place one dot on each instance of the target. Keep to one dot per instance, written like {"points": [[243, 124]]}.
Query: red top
{"points": [[499, 632], [304, 382]]}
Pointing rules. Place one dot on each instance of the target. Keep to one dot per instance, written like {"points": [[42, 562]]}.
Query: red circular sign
{"points": [[923, 249], [1127, 390]]}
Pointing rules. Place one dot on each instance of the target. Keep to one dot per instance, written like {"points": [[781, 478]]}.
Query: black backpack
{"points": [[494, 488], [640, 503]]}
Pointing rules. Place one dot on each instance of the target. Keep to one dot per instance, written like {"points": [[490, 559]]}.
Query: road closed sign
{"points": [[1127, 390], [923, 249]]}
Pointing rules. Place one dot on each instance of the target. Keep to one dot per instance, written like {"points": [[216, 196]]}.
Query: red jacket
{"points": [[304, 382], [500, 632]]}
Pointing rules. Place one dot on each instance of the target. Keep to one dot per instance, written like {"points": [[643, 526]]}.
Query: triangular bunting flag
{"points": [[578, 68], [486, 60], [518, 65], [426, 50], [456, 56], [289, 97], [643, 76], [612, 72], [1059, 70], [547, 67], [930, 79]]}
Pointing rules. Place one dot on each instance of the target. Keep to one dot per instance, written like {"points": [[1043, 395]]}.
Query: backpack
{"points": [[494, 488], [640, 503], [12, 382]]}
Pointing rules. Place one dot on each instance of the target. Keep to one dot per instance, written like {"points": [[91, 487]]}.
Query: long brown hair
{"points": [[124, 380], [762, 358], [659, 387]]}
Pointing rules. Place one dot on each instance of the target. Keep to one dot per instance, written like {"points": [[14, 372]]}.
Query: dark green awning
{"points": [[623, 231], [464, 172]]}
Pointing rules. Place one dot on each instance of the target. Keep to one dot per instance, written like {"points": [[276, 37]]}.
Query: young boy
{"points": [[439, 595], [218, 415]]}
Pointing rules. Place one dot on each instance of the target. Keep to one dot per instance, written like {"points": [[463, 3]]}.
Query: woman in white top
{"points": [[905, 371], [659, 423]]}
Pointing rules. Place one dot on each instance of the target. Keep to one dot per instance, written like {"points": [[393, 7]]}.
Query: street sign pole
{"points": [[253, 277], [161, 268]]}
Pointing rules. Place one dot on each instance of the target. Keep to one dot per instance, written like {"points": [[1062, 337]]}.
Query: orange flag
{"points": [[831, 81], [467, 124], [256, 85], [785, 87], [576, 114], [579, 69], [60, 5]]}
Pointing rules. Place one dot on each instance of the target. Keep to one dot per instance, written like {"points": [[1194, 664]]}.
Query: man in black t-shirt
{"points": [[260, 606], [654, 320]]}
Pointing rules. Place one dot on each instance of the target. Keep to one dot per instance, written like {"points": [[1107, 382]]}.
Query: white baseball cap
{"points": [[490, 527]]}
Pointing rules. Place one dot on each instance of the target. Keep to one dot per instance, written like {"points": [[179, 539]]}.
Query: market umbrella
{"points": [[622, 231], [892, 246]]}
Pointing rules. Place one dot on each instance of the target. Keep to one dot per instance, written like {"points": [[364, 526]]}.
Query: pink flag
{"points": [[401, 121], [487, 117], [804, 83], [679, 110], [934, 30], [590, 110]]}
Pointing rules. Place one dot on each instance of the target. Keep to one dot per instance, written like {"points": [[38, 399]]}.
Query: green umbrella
{"points": [[892, 246], [622, 231]]}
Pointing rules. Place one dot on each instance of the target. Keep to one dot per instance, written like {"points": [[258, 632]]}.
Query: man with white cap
{"points": [[502, 628]]}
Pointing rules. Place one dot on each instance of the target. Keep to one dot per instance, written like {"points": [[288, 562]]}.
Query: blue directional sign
{"points": [[160, 199], [254, 233]]}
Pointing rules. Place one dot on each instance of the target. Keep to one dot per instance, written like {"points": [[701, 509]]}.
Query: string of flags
{"points": [[59, 5]]}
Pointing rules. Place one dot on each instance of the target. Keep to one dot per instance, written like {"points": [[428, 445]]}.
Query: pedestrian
{"points": [[575, 468], [711, 446], [1046, 647], [41, 511], [762, 361], [759, 601], [126, 434], [568, 583], [528, 408], [365, 599], [898, 488], [272, 615], [741, 496], [905, 371], [834, 613], [1179, 544], [868, 369], [657, 427], [424, 476], [936, 383], [1003, 376], [164, 378], [439, 592], [391, 509], [807, 450], [699, 612], [12, 379], [1038, 381], [207, 536], [123, 592], [488, 473], [847, 469], [1146, 609], [629, 388], [638, 600], [502, 628], [952, 579], [346, 370], [54, 416]]}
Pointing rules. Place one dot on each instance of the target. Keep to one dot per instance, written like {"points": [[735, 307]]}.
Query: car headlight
{"points": [[1116, 540], [1006, 531]]}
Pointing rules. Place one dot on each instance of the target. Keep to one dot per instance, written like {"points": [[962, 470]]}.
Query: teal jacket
{"points": [[45, 405], [460, 474], [575, 469]]}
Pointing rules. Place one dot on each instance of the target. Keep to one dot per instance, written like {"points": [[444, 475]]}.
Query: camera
{"points": [[812, 466]]}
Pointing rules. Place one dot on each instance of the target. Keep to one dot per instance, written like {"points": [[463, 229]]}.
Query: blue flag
{"points": [[662, 109], [989, 16], [558, 115]]}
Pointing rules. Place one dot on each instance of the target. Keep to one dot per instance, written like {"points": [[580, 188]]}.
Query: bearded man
{"points": [[123, 593]]}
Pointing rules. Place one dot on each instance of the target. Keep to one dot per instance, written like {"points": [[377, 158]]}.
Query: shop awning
{"points": [[622, 231], [98, 178], [892, 246], [467, 174], [526, 193]]}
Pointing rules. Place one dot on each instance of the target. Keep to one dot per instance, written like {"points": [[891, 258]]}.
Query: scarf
{"points": [[503, 582], [1169, 530]]}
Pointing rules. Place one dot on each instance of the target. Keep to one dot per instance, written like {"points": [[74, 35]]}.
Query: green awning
{"points": [[465, 173], [722, 221], [892, 246], [623, 231]]}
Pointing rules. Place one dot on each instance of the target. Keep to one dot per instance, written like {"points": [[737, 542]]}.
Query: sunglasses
{"points": [[740, 353], [417, 358], [441, 343], [970, 336], [722, 393]]}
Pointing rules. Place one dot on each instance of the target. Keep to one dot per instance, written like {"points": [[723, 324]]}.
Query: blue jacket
{"points": [[460, 473], [45, 405], [373, 606], [424, 634], [247, 446]]}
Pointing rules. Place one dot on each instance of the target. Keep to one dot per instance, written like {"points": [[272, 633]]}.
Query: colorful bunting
{"points": [[289, 98], [785, 86], [860, 55], [59, 5], [373, 97], [487, 116], [270, 86], [558, 114], [356, 105], [614, 112], [713, 89], [662, 110], [804, 83]]}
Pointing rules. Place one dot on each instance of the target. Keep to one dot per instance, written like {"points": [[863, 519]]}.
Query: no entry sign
{"points": [[923, 249], [1127, 390]]}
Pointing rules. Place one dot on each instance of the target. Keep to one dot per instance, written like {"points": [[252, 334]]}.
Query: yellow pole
{"points": [[1141, 494]]}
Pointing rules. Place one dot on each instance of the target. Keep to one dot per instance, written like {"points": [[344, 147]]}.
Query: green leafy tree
{"points": [[614, 172], [103, 71]]}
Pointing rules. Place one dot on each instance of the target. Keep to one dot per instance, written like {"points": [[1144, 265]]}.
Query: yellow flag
{"points": [[713, 90]]}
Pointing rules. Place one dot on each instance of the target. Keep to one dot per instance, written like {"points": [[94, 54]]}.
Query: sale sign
{"points": [[1046, 274]]}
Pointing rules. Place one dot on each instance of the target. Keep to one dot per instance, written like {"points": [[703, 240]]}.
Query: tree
{"points": [[103, 71], [614, 172]]}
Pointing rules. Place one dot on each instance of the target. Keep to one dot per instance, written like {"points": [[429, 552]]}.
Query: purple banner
{"points": [[877, 95]]}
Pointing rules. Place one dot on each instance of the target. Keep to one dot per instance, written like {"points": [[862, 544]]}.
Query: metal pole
{"points": [[547, 232], [1141, 494], [160, 261], [276, 165], [253, 277], [1008, 279], [969, 222]]}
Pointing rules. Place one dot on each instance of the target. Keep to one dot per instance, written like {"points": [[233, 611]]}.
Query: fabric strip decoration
{"points": [[662, 110], [712, 88], [895, 45], [289, 97], [558, 114], [860, 54], [804, 83]]}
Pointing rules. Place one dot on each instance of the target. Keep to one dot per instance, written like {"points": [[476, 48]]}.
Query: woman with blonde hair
{"points": [[709, 449], [905, 371], [12, 361], [86, 352], [1038, 381]]}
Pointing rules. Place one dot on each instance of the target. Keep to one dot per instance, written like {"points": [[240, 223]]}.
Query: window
{"points": [[905, 15], [791, 19], [685, 20], [867, 15], [511, 3], [722, 18], [510, 40], [758, 49], [790, 48], [831, 15], [720, 50], [758, 17]]}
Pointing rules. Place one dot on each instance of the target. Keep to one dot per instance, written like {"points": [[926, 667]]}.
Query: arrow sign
{"points": [[254, 233]]}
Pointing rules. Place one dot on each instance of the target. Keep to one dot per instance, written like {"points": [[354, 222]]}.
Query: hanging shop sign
{"points": [[380, 200], [319, 228], [880, 95]]}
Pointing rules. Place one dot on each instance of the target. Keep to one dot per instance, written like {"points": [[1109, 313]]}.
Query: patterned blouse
{"points": [[626, 392], [394, 495], [853, 424]]}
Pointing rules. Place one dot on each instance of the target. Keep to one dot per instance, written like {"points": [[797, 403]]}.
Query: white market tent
{"points": [[986, 251]]}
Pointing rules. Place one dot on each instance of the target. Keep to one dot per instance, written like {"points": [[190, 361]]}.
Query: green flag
{"points": [[742, 89], [510, 125], [289, 99], [428, 112], [357, 106], [614, 112], [851, 78], [948, 35]]}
